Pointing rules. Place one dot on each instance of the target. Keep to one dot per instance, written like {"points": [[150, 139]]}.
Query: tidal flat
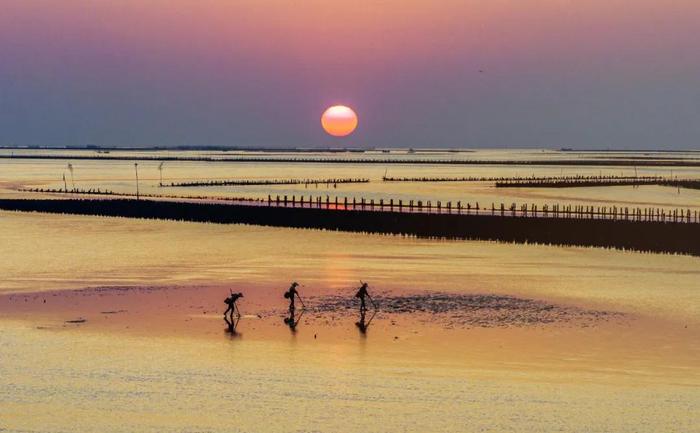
{"points": [[115, 324]]}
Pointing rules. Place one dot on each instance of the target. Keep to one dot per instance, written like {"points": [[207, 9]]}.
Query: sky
{"points": [[598, 74]]}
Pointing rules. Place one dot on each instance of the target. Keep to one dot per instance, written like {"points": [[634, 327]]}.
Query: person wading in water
{"points": [[232, 307], [362, 293], [291, 294]]}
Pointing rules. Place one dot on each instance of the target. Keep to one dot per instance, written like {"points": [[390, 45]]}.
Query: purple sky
{"points": [[469, 73]]}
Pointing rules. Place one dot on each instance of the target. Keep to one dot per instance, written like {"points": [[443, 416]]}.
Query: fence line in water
{"points": [[249, 182], [555, 210], [513, 210], [514, 178], [574, 182], [565, 229]]}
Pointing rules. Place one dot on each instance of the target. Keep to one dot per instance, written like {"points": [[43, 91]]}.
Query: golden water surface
{"points": [[641, 373]]}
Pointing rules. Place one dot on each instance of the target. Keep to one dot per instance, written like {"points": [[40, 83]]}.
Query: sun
{"points": [[339, 120]]}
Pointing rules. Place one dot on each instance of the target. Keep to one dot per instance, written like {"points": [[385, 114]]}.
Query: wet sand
{"points": [[458, 329], [155, 358]]}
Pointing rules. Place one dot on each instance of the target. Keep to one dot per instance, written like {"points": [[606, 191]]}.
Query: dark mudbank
{"points": [[468, 310], [653, 236]]}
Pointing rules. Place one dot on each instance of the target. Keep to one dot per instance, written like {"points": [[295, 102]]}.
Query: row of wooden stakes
{"points": [[533, 210]]}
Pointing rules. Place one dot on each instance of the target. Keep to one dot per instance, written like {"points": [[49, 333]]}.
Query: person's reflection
{"points": [[232, 325], [363, 324], [293, 319]]}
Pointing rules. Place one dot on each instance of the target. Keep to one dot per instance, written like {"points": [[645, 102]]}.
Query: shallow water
{"points": [[45, 252], [119, 176], [627, 379], [58, 382]]}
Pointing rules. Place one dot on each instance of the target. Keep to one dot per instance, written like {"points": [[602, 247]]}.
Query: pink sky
{"points": [[620, 73]]}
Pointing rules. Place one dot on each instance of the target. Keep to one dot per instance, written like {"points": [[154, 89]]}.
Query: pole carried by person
{"points": [[232, 306], [363, 293], [291, 294]]}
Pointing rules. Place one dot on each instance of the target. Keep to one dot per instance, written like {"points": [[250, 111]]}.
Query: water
{"points": [[59, 252], [89, 382], [119, 176], [640, 375]]}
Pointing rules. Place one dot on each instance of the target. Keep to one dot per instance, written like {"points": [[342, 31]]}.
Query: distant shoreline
{"points": [[240, 149], [334, 149], [640, 162]]}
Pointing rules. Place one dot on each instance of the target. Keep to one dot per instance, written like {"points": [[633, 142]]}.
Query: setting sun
{"points": [[339, 120]]}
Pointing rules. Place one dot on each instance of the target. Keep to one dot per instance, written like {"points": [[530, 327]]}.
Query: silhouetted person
{"points": [[362, 293], [232, 307], [291, 294]]}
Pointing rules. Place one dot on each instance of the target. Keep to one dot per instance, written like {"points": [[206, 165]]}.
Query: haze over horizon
{"points": [[615, 74]]}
